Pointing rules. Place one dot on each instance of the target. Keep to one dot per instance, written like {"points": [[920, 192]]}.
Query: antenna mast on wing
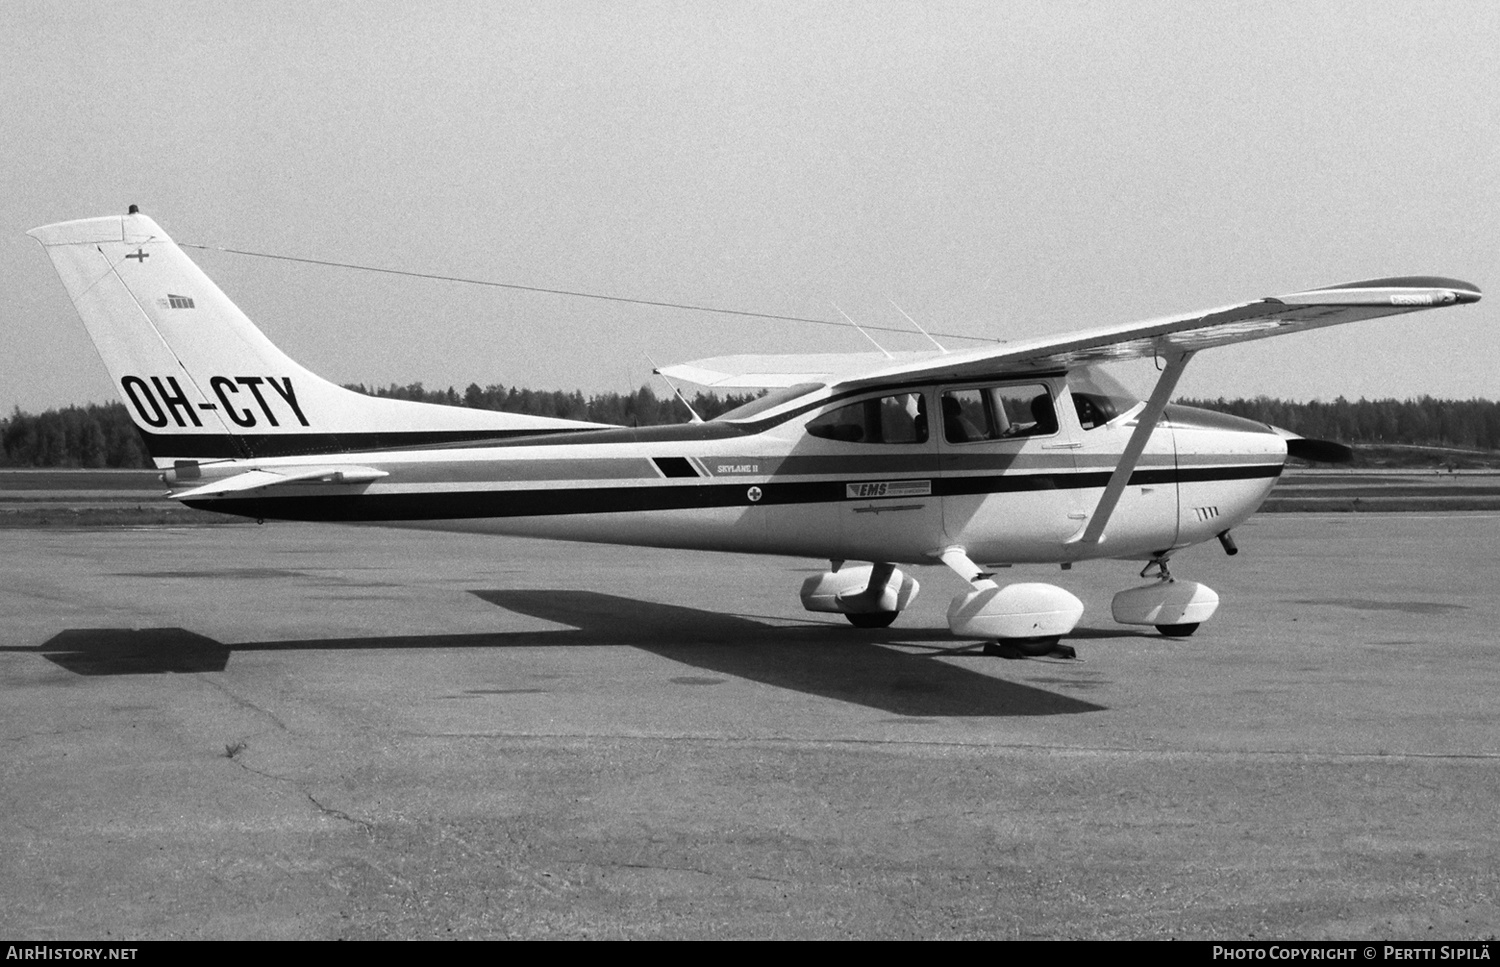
{"points": [[914, 322], [861, 330]]}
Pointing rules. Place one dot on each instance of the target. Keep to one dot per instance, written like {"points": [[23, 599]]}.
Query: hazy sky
{"points": [[1000, 169]]}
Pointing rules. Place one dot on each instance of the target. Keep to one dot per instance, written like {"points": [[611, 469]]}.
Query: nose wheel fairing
{"points": [[1175, 608]]}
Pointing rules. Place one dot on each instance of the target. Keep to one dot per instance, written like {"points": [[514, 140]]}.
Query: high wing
{"points": [[1166, 337], [1174, 340], [776, 371]]}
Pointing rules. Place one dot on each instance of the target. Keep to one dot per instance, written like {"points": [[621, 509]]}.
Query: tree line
{"points": [[101, 435], [1425, 421], [641, 408]]}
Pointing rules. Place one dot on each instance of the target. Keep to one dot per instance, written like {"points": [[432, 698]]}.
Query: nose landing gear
{"points": [[1175, 608]]}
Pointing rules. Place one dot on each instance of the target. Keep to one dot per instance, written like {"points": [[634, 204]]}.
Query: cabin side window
{"points": [[901, 418], [998, 413]]}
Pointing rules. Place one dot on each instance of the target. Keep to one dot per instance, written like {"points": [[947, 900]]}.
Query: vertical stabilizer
{"points": [[202, 382]]}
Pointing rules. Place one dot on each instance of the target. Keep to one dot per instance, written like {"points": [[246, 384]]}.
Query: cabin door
{"points": [[1008, 470]]}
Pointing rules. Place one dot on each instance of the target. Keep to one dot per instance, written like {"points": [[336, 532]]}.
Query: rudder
{"points": [[202, 382]]}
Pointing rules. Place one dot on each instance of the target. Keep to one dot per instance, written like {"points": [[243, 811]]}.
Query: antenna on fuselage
{"points": [[861, 330], [675, 391], [914, 322]]}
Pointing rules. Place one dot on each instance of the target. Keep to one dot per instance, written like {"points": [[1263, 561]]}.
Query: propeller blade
{"points": [[1318, 451]]}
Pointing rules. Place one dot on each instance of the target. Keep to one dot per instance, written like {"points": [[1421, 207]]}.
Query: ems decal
{"points": [[887, 488], [162, 402]]}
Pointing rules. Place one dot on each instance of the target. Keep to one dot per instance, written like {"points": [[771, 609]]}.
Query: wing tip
{"points": [[1404, 290]]}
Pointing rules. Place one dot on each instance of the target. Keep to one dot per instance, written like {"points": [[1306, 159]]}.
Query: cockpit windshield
{"points": [[1098, 396], [769, 401]]}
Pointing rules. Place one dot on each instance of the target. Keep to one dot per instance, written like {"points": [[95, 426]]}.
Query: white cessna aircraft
{"points": [[1010, 454]]}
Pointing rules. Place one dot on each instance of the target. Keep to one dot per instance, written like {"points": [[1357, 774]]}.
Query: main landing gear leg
{"points": [[870, 597]]}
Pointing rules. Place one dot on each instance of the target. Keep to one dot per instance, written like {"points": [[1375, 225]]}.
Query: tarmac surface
{"points": [[294, 731]]}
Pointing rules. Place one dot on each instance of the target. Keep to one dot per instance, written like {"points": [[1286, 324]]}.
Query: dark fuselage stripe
{"points": [[552, 502], [215, 446]]}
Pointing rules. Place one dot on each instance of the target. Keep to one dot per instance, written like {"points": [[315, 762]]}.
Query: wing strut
{"points": [[1144, 425], [675, 391]]}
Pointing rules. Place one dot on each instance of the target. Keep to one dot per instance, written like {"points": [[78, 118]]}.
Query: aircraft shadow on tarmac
{"points": [[820, 658]]}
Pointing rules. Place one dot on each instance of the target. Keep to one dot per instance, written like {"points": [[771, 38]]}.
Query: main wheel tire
{"points": [[872, 619], [1022, 647], [1037, 647], [1178, 631]]}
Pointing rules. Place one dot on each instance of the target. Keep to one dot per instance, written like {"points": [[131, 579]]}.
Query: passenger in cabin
{"points": [[1044, 417], [956, 426]]}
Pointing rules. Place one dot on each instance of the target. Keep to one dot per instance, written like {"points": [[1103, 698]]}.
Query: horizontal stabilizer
{"points": [[259, 479]]}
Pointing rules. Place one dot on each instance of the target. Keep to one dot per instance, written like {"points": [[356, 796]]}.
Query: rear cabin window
{"points": [[998, 413], [901, 418], [766, 401]]}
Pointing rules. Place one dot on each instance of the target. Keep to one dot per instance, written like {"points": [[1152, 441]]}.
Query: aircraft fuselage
{"points": [[881, 485]]}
